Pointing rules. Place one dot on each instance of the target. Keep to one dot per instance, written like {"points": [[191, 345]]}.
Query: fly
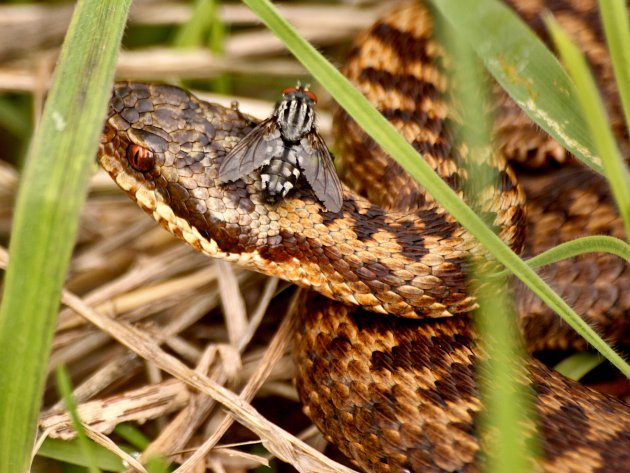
{"points": [[284, 147]]}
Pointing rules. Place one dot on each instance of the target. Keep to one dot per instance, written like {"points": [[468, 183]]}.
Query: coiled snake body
{"points": [[395, 394]]}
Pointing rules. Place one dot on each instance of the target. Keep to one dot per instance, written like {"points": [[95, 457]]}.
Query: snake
{"points": [[387, 350]]}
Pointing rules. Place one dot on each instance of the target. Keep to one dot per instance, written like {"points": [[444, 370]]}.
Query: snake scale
{"points": [[395, 394]]}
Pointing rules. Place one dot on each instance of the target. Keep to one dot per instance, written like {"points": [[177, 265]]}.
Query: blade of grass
{"points": [[51, 193], [195, 31], [386, 136], [579, 246], [614, 15], [525, 68], [157, 465], [216, 43], [204, 28], [132, 435], [508, 408], [592, 110], [579, 364], [69, 451], [65, 388], [508, 404]]}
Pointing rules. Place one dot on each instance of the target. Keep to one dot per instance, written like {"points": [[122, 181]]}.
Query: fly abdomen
{"points": [[279, 176]]}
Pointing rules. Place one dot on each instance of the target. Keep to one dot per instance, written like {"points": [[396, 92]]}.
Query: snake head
{"points": [[164, 147]]}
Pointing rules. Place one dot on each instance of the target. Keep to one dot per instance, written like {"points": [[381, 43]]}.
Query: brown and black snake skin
{"points": [[398, 394]]}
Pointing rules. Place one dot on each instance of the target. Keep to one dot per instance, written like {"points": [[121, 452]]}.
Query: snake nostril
{"points": [[141, 159]]}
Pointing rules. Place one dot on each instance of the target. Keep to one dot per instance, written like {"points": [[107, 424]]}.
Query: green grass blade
{"points": [[195, 31], [70, 452], [594, 114], [205, 29], [508, 408], [158, 465], [65, 388], [579, 364], [580, 246], [133, 435], [51, 193], [614, 15], [386, 136], [525, 68], [508, 404]]}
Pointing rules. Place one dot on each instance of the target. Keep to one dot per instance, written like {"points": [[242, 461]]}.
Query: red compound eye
{"points": [[310, 95], [307, 92], [141, 159]]}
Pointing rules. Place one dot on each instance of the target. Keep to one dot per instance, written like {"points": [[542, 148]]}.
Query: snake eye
{"points": [[141, 159]]}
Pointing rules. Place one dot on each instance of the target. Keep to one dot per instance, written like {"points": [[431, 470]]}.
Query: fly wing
{"points": [[255, 150], [316, 162]]}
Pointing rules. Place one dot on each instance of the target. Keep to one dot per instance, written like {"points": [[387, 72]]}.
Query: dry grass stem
{"points": [[278, 441], [41, 25], [274, 352], [232, 302], [103, 415], [178, 432], [104, 441]]}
